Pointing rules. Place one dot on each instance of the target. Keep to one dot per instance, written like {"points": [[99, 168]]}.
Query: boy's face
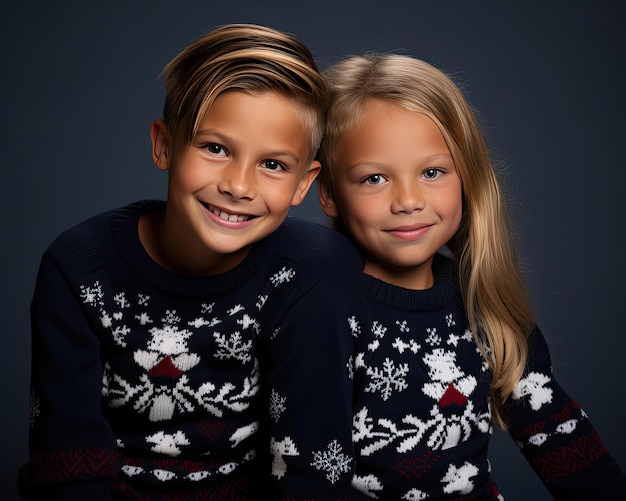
{"points": [[398, 193], [234, 184]]}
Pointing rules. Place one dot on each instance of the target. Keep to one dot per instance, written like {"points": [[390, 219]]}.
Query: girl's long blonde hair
{"points": [[494, 292]]}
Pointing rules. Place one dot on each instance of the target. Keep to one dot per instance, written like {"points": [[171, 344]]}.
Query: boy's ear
{"points": [[327, 202], [160, 144], [306, 182]]}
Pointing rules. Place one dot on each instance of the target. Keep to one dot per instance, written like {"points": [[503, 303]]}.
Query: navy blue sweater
{"points": [[151, 385], [423, 422]]}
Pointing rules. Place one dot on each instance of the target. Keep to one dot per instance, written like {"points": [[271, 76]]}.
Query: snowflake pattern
{"points": [[232, 347], [92, 295], [387, 379], [283, 276], [332, 461], [277, 405], [355, 327], [378, 330], [433, 338]]}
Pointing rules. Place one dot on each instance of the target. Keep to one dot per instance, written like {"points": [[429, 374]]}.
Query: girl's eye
{"points": [[273, 165], [374, 180], [215, 149], [432, 173]]}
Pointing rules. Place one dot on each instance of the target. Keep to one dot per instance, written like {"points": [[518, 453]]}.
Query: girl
{"points": [[453, 346]]}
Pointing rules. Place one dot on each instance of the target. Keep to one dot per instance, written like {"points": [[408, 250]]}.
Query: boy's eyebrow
{"points": [[223, 138]]}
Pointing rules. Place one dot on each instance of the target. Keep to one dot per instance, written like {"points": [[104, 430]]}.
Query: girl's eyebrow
{"points": [[426, 160]]}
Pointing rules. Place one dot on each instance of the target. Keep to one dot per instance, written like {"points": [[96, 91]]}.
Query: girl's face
{"points": [[398, 193]]}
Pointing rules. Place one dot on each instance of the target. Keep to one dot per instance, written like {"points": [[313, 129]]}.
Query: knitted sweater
{"points": [[423, 422], [155, 386]]}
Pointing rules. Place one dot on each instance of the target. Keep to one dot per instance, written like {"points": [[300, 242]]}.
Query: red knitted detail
{"points": [[60, 466], [452, 396], [166, 368], [413, 468], [231, 489], [571, 458]]}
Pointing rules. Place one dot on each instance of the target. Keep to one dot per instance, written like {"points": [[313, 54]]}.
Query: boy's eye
{"points": [[215, 149], [431, 173], [374, 180], [273, 165]]}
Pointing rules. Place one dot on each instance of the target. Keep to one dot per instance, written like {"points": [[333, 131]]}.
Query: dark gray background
{"points": [[80, 88]]}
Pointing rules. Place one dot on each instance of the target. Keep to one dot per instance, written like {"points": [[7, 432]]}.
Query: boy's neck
{"points": [[164, 249]]}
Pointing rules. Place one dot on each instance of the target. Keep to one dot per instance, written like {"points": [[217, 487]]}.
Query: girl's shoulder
{"points": [[314, 246]]}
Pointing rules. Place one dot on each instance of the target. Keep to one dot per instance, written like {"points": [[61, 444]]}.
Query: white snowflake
{"points": [[92, 295], [388, 378], [247, 321], [449, 321], [282, 276], [106, 320], [120, 299], [143, 299], [170, 317], [203, 322], [275, 333], [453, 339], [235, 309], [468, 336], [206, 308], [350, 366], [144, 318], [332, 461], [232, 347], [378, 329], [433, 338], [277, 405], [404, 327], [355, 327], [119, 335], [400, 345]]}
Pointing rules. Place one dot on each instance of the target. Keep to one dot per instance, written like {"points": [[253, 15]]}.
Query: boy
{"points": [[175, 344]]}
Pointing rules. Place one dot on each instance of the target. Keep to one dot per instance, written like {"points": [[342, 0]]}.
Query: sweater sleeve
{"points": [[309, 385], [72, 447], [556, 436]]}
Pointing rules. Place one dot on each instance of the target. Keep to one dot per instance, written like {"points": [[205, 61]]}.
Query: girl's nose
{"points": [[407, 198]]}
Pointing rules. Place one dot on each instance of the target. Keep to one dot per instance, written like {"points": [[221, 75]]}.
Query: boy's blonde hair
{"points": [[493, 289], [247, 58]]}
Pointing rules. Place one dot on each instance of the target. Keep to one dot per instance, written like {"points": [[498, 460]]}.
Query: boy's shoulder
{"points": [[96, 234], [314, 246]]}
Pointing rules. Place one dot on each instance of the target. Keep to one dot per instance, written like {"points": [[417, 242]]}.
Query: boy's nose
{"points": [[238, 181]]}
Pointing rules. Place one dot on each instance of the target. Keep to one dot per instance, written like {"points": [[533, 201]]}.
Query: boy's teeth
{"points": [[226, 216]]}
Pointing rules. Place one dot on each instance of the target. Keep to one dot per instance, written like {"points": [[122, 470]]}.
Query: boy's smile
{"points": [[234, 184], [398, 193]]}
